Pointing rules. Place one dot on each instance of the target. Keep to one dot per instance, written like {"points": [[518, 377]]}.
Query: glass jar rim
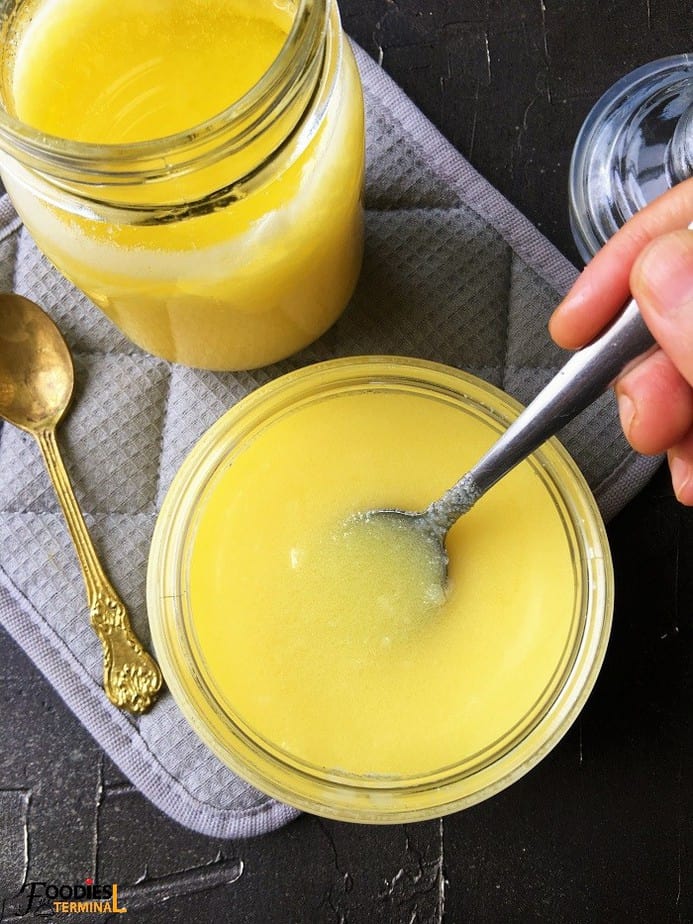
{"points": [[137, 159]]}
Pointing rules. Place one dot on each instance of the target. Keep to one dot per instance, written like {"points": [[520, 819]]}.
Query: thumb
{"points": [[662, 283]]}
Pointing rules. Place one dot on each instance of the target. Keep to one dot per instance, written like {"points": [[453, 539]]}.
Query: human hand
{"points": [[651, 257]]}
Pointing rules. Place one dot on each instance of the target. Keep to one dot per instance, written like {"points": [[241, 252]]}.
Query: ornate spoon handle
{"points": [[131, 677]]}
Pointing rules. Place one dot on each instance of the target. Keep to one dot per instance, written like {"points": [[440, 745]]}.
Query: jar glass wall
{"points": [[229, 244]]}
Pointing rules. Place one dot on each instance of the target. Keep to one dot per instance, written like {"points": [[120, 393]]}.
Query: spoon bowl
{"points": [[36, 384], [36, 372], [420, 541]]}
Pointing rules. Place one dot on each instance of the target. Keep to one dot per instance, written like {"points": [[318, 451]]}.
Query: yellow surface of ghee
{"points": [[326, 642], [144, 70], [229, 288]]}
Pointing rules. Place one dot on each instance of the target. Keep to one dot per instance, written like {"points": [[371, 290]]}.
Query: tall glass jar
{"points": [[230, 244]]}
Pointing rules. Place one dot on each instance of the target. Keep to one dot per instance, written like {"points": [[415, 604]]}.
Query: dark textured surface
{"points": [[602, 830]]}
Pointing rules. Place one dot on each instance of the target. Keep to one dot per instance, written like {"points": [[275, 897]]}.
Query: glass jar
{"points": [[365, 750], [636, 143], [230, 244]]}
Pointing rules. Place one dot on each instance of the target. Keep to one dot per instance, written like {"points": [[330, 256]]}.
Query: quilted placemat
{"points": [[451, 273]]}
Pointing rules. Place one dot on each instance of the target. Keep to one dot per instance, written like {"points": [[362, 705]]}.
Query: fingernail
{"points": [[626, 412], [666, 271], [680, 477]]}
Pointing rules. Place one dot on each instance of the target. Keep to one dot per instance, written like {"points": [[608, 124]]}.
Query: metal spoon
{"points": [[36, 382], [581, 380]]}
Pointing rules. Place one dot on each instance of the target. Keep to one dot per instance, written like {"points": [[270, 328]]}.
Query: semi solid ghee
{"points": [[238, 242], [336, 645], [324, 663]]}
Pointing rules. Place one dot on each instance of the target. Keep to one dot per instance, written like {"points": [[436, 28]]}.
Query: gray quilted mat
{"points": [[452, 273]]}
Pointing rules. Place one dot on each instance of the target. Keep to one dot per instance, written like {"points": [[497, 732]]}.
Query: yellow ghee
{"points": [[144, 70], [334, 645], [225, 285]]}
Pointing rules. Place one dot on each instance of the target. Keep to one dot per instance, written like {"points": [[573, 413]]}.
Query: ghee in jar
{"points": [[333, 650], [240, 241]]}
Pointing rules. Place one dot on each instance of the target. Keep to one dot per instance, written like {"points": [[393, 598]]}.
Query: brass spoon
{"points": [[36, 382]]}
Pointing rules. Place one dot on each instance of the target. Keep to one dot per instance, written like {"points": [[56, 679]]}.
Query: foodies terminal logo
{"points": [[38, 897]]}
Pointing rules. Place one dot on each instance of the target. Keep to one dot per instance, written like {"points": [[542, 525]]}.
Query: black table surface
{"points": [[602, 829]]}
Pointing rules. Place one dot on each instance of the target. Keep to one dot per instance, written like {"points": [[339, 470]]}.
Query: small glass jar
{"points": [[636, 143], [318, 785], [229, 245]]}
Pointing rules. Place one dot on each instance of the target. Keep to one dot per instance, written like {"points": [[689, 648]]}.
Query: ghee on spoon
{"points": [[36, 382], [580, 382]]}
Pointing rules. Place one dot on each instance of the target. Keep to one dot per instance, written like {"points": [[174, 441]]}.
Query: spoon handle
{"points": [[587, 374], [580, 382], [131, 678]]}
